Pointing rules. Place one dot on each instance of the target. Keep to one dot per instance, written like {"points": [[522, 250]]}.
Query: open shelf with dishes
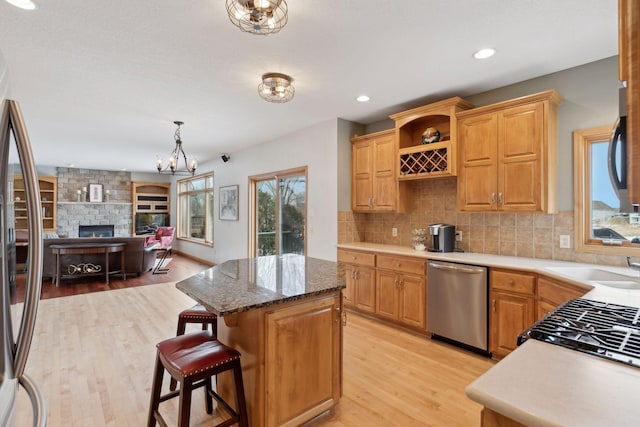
{"points": [[427, 139]]}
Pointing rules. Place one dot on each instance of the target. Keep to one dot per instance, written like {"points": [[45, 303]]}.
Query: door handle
{"points": [[12, 117], [500, 199], [456, 268], [493, 304], [493, 199]]}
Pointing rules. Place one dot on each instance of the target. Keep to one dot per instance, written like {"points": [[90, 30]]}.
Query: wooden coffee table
{"points": [[89, 248]]}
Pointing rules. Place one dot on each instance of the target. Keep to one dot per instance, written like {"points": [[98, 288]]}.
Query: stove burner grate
{"points": [[593, 327]]}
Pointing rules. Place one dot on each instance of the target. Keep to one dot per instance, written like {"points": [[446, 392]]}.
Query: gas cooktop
{"points": [[598, 328]]}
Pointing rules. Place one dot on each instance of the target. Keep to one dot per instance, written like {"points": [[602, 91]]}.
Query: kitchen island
{"points": [[284, 314]]}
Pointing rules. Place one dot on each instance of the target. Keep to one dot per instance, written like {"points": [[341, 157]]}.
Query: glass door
{"points": [[279, 213]]}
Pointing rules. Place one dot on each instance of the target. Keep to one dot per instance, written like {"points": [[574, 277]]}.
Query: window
{"points": [[195, 209], [279, 213], [602, 223]]}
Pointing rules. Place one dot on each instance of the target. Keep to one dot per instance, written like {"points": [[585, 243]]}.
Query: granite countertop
{"points": [[541, 384], [244, 284]]}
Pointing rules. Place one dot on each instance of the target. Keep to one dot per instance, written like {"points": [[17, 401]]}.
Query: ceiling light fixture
{"points": [[261, 17], [174, 158], [23, 4], [276, 87], [484, 53], [363, 98]]}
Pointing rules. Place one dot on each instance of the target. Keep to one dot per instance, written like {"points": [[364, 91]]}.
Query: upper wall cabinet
{"points": [[508, 155], [418, 157], [374, 184], [629, 57]]}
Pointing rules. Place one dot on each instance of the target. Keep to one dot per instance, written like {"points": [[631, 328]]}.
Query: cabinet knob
{"points": [[398, 265], [510, 282]]}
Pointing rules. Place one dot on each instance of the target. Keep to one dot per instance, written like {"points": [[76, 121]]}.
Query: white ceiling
{"points": [[101, 82]]}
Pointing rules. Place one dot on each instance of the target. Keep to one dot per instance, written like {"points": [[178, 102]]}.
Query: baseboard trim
{"points": [[200, 260]]}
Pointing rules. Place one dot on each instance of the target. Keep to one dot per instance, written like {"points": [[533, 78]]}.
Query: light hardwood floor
{"points": [[93, 356]]}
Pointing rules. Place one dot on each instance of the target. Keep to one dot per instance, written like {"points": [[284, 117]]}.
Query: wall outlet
{"points": [[394, 232], [565, 241], [458, 236]]}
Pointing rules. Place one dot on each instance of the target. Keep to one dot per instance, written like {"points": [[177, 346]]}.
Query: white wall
{"points": [[4, 78], [315, 147]]}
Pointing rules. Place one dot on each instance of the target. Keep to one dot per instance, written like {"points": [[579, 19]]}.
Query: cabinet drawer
{"points": [[355, 257], [557, 293], [402, 264], [512, 281]]}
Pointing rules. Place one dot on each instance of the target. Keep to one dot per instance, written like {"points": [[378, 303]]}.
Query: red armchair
{"points": [[161, 241]]}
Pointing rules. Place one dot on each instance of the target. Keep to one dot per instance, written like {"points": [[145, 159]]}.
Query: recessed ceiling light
{"points": [[363, 98], [23, 4], [484, 53]]}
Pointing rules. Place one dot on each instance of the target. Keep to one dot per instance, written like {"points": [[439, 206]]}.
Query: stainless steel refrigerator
{"points": [[16, 336]]}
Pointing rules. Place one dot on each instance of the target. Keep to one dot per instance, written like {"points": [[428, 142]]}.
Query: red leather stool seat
{"points": [[192, 360], [192, 354]]}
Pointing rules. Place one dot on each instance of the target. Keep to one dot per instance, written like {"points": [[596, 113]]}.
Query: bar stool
{"points": [[192, 359], [195, 314]]}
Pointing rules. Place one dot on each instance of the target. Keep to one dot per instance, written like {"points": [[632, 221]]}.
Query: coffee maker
{"points": [[443, 238]]}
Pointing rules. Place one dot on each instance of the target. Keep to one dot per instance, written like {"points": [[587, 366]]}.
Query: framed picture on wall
{"points": [[229, 203], [95, 193]]}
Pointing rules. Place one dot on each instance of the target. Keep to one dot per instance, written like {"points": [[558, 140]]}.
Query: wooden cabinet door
{"points": [[303, 349], [552, 293], [365, 296], [543, 308], [385, 181], [519, 158], [511, 314], [478, 138], [362, 176], [349, 293], [387, 292], [413, 301]]}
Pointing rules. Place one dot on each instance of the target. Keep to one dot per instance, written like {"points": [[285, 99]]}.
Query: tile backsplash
{"points": [[434, 201]]}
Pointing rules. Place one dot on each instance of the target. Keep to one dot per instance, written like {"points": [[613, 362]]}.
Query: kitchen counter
{"points": [[535, 265], [246, 284], [541, 384], [283, 314]]}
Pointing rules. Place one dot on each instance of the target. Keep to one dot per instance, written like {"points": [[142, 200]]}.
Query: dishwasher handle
{"points": [[457, 268]]}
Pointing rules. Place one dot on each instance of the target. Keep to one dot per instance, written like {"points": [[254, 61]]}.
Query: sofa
{"points": [[138, 258]]}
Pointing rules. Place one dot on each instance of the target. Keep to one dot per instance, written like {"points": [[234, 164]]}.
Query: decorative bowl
{"points": [[430, 135]]}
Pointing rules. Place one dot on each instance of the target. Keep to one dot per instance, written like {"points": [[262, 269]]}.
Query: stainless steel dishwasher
{"points": [[457, 304]]}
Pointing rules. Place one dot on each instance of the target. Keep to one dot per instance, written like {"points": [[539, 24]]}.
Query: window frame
{"points": [[253, 204], [582, 140], [209, 196]]}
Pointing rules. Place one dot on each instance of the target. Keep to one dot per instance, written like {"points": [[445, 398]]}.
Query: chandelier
{"points": [[258, 16], [176, 155], [276, 87]]}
